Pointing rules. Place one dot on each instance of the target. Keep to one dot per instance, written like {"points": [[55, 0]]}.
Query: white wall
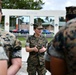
{"points": [[32, 14]]}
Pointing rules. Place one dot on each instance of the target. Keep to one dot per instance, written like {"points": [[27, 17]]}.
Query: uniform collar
{"points": [[35, 36]]}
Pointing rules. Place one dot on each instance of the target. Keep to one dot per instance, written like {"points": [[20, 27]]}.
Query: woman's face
{"points": [[38, 31]]}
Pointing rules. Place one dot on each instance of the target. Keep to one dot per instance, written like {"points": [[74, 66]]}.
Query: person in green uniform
{"points": [[36, 46], [10, 52], [62, 51]]}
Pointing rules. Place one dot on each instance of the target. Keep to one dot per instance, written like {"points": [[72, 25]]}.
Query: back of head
{"points": [[70, 12]]}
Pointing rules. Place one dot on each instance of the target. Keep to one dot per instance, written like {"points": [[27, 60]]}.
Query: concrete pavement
{"points": [[23, 70]]}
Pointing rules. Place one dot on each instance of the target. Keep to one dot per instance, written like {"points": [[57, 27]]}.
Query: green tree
{"points": [[22, 4]]}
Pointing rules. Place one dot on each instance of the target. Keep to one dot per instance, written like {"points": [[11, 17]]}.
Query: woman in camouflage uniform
{"points": [[36, 46]]}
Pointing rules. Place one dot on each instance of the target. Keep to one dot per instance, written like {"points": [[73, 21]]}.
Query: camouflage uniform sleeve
{"points": [[46, 42], [27, 42], [17, 49], [10, 43], [17, 45], [56, 47]]}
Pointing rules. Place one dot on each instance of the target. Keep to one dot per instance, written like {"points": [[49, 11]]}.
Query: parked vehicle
{"points": [[15, 31], [45, 31], [24, 31]]}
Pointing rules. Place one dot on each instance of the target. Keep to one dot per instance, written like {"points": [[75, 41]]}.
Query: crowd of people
{"points": [[58, 56]]}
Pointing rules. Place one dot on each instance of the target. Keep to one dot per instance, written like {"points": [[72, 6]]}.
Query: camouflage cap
{"points": [[71, 10], [38, 25]]}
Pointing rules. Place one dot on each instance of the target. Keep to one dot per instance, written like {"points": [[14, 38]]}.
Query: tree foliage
{"points": [[22, 4]]}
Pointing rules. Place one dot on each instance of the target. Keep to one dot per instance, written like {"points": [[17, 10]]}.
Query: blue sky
{"points": [[58, 4]]}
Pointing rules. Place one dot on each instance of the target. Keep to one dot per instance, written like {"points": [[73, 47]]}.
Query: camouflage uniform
{"points": [[10, 46], [36, 60], [64, 45]]}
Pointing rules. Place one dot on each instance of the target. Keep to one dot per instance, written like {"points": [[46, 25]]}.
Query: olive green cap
{"points": [[38, 25]]}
